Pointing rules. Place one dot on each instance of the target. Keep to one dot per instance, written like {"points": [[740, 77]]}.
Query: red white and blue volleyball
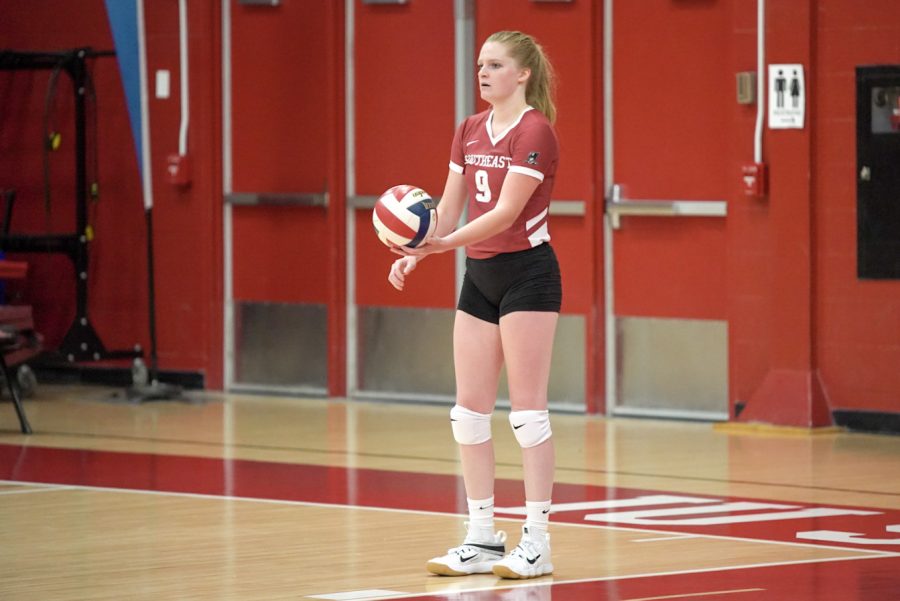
{"points": [[404, 216]]}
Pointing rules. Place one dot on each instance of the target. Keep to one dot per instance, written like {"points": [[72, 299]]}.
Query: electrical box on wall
{"points": [[746, 87], [754, 180]]}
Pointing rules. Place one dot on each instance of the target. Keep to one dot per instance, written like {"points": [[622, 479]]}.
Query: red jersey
{"points": [[529, 147]]}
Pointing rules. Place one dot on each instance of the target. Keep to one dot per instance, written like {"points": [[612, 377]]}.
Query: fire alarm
{"points": [[753, 180], [178, 169]]}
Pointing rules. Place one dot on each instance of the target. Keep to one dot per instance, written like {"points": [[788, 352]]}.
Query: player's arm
{"points": [[452, 203], [517, 189], [449, 209]]}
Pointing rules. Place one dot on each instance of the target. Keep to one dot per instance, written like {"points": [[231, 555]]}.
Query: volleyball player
{"points": [[504, 160]]}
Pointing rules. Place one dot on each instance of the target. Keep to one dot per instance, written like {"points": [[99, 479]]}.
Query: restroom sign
{"points": [[787, 97]]}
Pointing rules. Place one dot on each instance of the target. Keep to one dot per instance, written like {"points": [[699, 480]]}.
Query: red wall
{"points": [[772, 369], [116, 255], [857, 322], [805, 334], [187, 223]]}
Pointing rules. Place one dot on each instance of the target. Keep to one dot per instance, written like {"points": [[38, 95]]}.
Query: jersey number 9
{"points": [[481, 183]]}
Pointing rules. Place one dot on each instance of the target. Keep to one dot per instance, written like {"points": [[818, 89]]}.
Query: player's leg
{"points": [[529, 312], [528, 345], [527, 340], [478, 358]]}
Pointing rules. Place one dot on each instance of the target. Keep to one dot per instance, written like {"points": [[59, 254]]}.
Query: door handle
{"points": [[865, 174], [299, 199], [616, 206]]}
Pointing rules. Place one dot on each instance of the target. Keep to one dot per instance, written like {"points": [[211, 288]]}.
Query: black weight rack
{"points": [[81, 342]]}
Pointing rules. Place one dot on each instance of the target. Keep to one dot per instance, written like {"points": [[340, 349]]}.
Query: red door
{"points": [[404, 117], [569, 33], [284, 197], [402, 121], [672, 97]]}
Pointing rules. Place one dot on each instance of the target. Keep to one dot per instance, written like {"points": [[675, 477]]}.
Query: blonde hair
{"points": [[525, 50]]}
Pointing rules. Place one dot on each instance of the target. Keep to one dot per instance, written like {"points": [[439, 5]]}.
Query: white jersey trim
{"points": [[527, 171], [534, 220], [540, 235], [490, 130], [455, 168]]}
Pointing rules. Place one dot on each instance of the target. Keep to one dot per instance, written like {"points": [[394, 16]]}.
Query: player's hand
{"points": [[435, 244], [399, 270]]}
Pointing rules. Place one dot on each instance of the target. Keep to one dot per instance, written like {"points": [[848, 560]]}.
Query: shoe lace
{"points": [[463, 549], [526, 549], [466, 548]]}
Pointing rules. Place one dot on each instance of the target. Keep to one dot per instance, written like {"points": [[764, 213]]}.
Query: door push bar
{"points": [[616, 206], [296, 199], [569, 208]]}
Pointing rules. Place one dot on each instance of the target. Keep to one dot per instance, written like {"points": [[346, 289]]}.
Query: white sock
{"points": [[481, 518], [537, 516]]}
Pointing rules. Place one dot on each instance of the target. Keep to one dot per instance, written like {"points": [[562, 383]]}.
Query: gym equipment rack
{"points": [[81, 342]]}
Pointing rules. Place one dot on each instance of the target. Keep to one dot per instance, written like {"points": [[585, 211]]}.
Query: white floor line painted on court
{"points": [[706, 594], [665, 538], [357, 595], [22, 491]]}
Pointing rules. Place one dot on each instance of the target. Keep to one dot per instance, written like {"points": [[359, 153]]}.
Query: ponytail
{"points": [[529, 54]]}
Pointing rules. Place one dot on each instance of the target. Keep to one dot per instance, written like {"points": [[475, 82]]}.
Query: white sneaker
{"points": [[529, 560], [471, 557]]}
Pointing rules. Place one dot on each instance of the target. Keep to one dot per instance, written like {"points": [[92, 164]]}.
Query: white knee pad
{"points": [[470, 427], [530, 427]]}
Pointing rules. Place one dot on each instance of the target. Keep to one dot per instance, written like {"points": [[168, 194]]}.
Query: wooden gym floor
{"points": [[242, 497]]}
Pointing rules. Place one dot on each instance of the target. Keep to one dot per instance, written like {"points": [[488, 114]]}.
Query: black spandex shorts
{"points": [[526, 280]]}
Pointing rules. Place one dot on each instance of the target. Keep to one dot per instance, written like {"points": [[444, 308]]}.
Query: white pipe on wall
{"points": [[146, 173], [227, 239], [183, 56], [464, 102], [350, 336], [610, 376], [760, 78]]}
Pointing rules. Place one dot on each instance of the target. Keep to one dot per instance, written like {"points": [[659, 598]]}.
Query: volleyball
{"points": [[404, 216]]}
